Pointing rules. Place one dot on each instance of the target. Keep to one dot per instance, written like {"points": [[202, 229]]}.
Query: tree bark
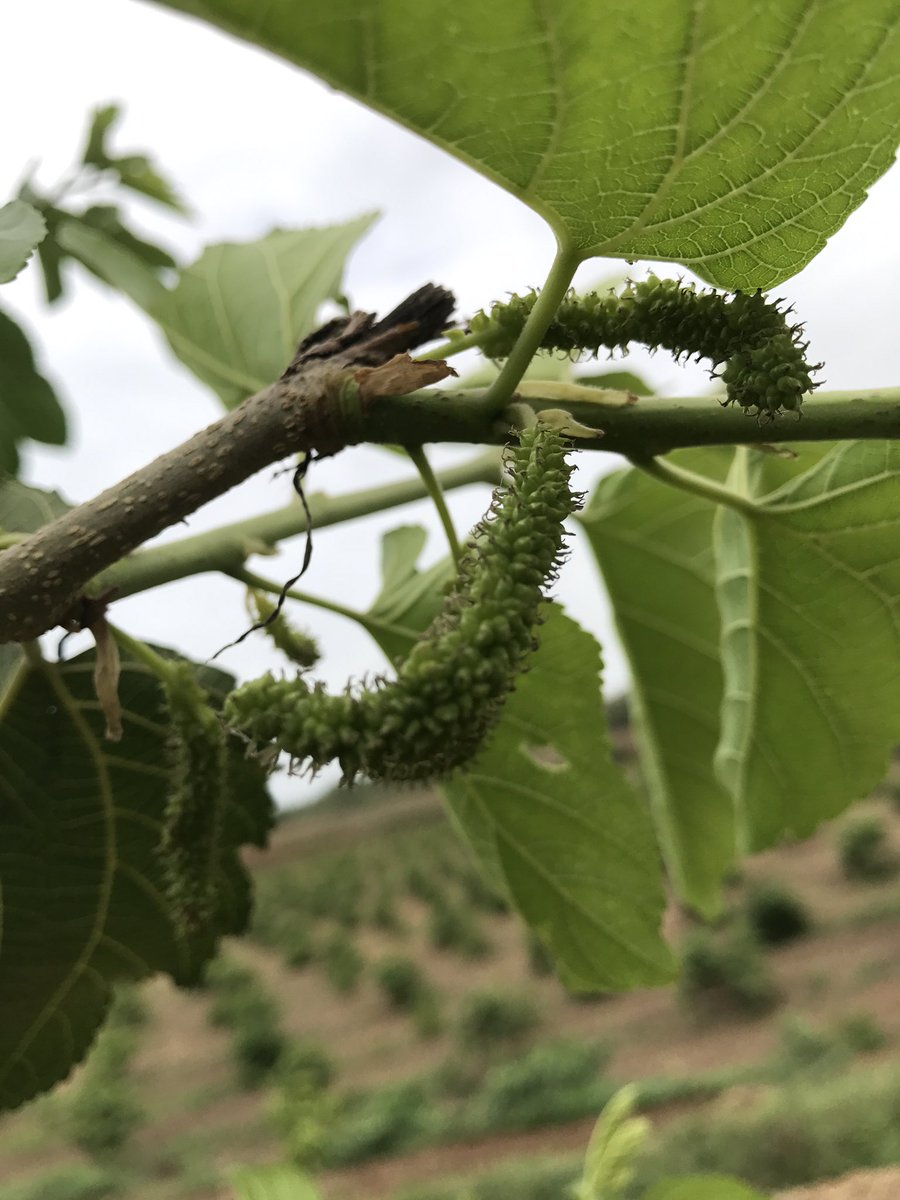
{"points": [[318, 405]]}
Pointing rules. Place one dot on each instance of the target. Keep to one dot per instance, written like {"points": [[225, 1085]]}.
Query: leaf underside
{"points": [[21, 229], [551, 815], [654, 547], [732, 138], [809, 591], [81, 881]]}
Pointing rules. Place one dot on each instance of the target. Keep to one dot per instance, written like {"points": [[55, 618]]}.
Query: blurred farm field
{"points": [[391, 1025]]}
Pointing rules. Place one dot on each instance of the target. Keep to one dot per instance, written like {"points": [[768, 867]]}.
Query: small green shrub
{"points": [[102, 1115], [242, 1007], [488, 1019], [551, 1084], [298, 948], [257, 1049], [343, 963], [384, 912], [427, 1016], [862, 850], [401, 980], [422, 885], [861, 1033], [775, 915], [303, 1108], [725, 971], [451, 927], [388, 1120], [802, 1046], [307, 1059]]}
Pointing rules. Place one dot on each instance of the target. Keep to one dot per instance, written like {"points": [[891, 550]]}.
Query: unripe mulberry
{"points": [[301, 648], [766, 369], [192, 821], [450, 690]]}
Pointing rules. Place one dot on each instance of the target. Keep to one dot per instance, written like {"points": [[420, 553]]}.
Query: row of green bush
{"points": [[794, 1136]]}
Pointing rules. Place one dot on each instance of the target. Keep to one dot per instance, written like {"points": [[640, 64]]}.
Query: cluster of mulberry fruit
{"points": [[764, 358], [450, 690]]}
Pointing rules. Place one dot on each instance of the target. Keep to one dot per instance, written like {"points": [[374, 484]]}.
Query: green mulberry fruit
{"points": [[450, 690], [301, 648], [764, 358], [192, 821]]}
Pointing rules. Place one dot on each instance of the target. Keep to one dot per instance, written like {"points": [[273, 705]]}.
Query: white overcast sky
{"points": [[253, 143]]}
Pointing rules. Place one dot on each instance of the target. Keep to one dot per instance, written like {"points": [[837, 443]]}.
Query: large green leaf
{"points": [[111, 260], [545, 806], [809, 587], [734, 138], [236, 314], [654, 546], [80, 875], [27, 400], [21, 229]]}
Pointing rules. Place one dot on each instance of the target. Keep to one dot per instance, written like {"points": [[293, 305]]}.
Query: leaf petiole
{"points": [[423, 466], [699, 485]]}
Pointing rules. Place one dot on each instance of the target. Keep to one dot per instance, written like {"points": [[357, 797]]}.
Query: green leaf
{"points": [[114, 263], [21, 229], [274, 1183], [654, 545], [24, 509], [615, 1142], [135, 171], [409, 598], [703, 1187], [237, 313], [809, 588], [545, 806], [81, 877], [107, 219], [27, 398], [732, 138], [95, 153]]}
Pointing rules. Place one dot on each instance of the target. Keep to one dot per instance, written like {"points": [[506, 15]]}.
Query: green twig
{"points": [[373, 625], [435, 491], [161, 667], [226, 549], [699, 485], [453, 345], [528, 343]]}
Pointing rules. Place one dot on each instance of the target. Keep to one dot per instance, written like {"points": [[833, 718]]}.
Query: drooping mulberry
{"points": [[450, 690], [197, 794], [764, 357]]}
